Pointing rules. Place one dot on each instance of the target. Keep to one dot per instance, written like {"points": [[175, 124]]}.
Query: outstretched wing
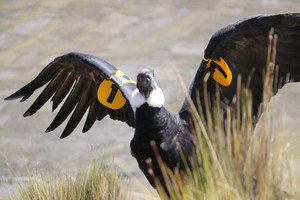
{"points": [[87, 83], [241, 48]]}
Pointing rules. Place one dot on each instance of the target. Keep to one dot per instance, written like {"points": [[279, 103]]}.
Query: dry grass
{"points": [[95, 182], [232, 161]]}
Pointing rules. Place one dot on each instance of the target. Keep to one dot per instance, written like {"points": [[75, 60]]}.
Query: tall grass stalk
{"points": [[232, 161]]}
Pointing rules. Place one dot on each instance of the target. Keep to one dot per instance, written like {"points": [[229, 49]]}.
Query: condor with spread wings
{"points": [[90, 84]]}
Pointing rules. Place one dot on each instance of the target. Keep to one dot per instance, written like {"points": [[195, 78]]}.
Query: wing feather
{"points": [[75, 78], [51, 88], [102, 112], [68, 105], [244, 45], [44, 77], [63, 90], [93, 110], [80, 109]]}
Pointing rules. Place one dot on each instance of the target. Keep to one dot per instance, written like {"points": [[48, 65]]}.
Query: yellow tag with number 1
{"points": [[222, 74], [110, 95]]}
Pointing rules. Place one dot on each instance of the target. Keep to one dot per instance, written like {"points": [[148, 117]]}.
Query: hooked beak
{"points": [[146, 82]]}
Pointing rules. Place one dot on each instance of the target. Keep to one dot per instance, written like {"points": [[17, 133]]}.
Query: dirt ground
{"points": [[130, 35]]}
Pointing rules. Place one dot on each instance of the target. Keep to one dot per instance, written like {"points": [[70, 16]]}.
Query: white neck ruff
{"points": [[156, 98]]}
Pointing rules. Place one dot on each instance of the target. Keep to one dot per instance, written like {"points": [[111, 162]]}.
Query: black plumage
{"points": [[171, 136], [100, 89], [168, 132]]}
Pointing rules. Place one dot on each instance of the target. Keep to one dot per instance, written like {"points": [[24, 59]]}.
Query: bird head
{"points": [[147, 90], [146, 82]]}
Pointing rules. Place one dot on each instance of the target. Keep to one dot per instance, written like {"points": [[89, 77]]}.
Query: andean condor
{"points": [[101, 89]]}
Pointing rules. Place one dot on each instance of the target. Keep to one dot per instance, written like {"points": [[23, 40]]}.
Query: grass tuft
{"points": [[95, 182]]}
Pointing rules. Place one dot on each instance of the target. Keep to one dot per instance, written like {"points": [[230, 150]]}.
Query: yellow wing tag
{"points": [[109, 93], [121, 78], [222, 73]]}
